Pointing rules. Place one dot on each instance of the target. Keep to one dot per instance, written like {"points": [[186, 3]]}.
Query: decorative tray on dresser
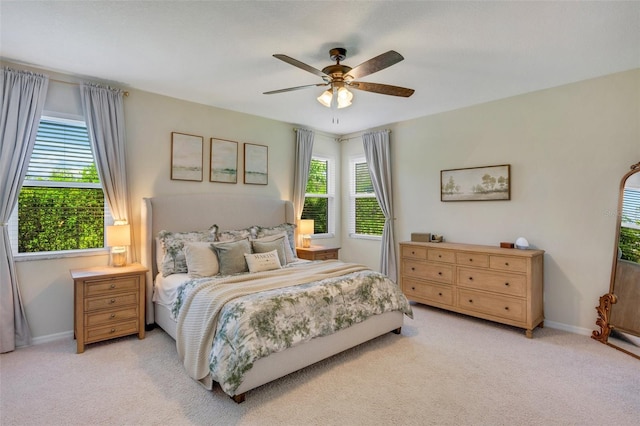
{"points": [[497, 284], [109, 302]]}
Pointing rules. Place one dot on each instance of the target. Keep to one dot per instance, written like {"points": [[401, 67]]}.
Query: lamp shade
{"points": [[118, 235], [306, 226]]}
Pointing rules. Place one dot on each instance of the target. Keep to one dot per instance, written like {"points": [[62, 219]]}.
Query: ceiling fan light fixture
{"points": [[343, 98], [325, 98]]}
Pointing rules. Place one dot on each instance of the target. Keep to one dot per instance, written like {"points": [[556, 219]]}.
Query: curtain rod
{"points": [[295, 129], [358, 135], [339, 139], [76, 84]]}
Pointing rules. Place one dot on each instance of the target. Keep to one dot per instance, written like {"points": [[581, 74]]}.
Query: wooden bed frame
{"points": [[230, 211]]}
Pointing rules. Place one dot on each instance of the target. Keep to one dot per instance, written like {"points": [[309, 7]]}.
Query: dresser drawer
{"points": [[432, 292], [414, 252], [114, 301], [111, 285], [94, 334], [105, 317], [472, 259], [504, 263], [428, 271], [509, 284], [441, 256], [499, 306]]}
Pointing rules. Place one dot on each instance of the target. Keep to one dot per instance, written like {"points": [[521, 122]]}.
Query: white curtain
{"points": [[304, 151], [104, 114], [23, 95], [377, 153]]}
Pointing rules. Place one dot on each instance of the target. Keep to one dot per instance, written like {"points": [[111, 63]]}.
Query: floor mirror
{"points": [[619, 309]]}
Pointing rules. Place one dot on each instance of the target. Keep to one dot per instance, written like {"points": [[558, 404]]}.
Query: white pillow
{"points": [[259, 262], [201, 259]]}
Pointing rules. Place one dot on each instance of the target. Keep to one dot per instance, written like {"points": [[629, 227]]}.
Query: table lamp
{"points": [[306, 229], [118, 238]]}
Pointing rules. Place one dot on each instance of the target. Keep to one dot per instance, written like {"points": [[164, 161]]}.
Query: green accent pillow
{"points": [[231, 256], [267, 244]]}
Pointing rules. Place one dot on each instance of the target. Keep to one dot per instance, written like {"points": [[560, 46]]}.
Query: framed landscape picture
{"points": [[256, 164], [490, 183], [224, 161], [186, 157]]}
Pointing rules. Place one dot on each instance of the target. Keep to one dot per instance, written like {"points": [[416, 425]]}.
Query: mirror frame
{"points": [[609, 299]]}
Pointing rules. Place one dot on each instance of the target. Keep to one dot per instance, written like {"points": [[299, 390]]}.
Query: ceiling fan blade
{"points": [[290, 89], [376, 64], [384, 89], [301, 65]]}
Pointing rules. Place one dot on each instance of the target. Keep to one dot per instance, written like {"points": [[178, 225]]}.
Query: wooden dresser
{"points": [[108, 303], [497, 284]]}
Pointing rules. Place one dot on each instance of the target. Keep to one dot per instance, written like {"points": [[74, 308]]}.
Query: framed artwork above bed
{"points": [[186, 157], [256, 164], [223, 161]]}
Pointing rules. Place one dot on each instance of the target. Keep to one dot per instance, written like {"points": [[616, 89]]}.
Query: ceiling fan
{"points": [[341, 77]]}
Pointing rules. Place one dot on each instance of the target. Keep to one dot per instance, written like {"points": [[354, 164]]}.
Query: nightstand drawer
{"points": [[95, 334], [105, 317], [326, 255], [111, 285], [111, 302]]}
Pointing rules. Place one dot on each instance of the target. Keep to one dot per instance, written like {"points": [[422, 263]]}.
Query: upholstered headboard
{"points": [[193, 212]]}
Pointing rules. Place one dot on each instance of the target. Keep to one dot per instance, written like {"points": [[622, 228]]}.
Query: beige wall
{"points": [[568, 147]]}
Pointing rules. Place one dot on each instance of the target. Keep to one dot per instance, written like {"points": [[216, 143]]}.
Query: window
{"points": [[366, 217], [318, 202], [61, 205]]}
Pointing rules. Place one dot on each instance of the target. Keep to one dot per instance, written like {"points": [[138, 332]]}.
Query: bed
{"points": [[240, 212]]}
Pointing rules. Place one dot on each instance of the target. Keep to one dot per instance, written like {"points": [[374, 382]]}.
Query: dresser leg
{"points": [[529, 334]]}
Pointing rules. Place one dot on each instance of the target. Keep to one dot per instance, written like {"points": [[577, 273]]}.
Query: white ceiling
{"points": [[220, 53]]}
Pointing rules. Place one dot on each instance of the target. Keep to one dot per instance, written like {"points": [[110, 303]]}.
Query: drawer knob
{"points": [[506, 263], [506, 308], [112, 315], [470, 300], [413, 252], [470, 260], [112, 286], [439, 294], [112, 301], [470, 278], [413, 288], [507, 284], [439, 255], [413, 269], [113, 330], [439, 273]]}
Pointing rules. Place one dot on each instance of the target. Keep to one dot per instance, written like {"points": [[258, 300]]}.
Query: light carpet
{"points": [[444, 369]]}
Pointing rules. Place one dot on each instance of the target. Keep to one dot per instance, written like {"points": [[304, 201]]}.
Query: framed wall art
{"points": [[223, 161], [256, 164], [186, 157], [491, 183]]}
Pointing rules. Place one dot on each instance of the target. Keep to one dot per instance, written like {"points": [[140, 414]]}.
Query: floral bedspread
{"points": [[253, 326]]}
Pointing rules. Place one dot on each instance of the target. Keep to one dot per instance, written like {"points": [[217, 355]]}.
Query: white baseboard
{"points": [[52, 337], [569, 328]]}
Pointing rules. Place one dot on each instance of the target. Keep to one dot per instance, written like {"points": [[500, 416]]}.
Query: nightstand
{"points": [[317, 253], [108, 303]]}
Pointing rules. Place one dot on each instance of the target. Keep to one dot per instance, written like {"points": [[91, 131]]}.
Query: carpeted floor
{"points": [[445, 369]]}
